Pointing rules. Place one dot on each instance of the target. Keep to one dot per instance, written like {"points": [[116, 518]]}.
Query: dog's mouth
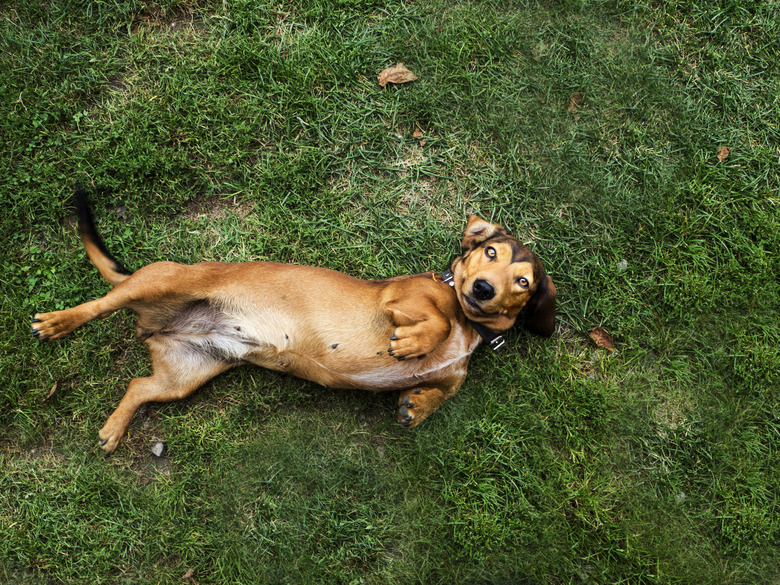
{"points": [[474, 305]]}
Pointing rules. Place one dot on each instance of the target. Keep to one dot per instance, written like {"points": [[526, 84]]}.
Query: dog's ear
{"points": [[478, 230], [540, 309]]}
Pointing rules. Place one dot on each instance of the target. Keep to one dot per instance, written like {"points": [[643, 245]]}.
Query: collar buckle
{"points": [[497, 342], [448, 277]]}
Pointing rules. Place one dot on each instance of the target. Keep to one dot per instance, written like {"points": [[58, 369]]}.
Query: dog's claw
{"points": [[393, 338], [403, 415], [36, 320], [103, 442]]}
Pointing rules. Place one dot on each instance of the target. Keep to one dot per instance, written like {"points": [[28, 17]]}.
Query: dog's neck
{"points": [[493, 339]]}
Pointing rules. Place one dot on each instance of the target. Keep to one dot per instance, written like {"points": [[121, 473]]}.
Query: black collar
{"points": [[493, 339]]}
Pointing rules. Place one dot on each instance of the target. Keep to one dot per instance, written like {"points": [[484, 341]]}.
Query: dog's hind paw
{"points": [[48, 326], [110, 438]]}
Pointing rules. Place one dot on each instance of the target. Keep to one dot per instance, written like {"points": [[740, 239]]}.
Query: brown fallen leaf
{"points": [[723, 153], [602, 337], [417, 133], [397, 74], [53, 389], [574, 102], [188, 577]]}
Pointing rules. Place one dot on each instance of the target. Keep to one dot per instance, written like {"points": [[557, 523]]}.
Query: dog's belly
{"points": [[359, 359], [401, 376], [336, 353]]}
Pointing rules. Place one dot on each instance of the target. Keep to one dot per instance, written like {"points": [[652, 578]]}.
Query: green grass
{"points": [[250, 130]]}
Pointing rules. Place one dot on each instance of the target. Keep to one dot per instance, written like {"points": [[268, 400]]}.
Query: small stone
{"points": [[623, 265], [680, 498], [158, 449]]}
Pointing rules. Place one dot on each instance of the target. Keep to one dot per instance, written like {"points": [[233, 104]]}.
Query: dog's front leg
{"points": [[416, 404], [419, 329]]}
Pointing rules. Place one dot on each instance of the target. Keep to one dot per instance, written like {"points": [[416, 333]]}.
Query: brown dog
{"points": [[409, 333]]}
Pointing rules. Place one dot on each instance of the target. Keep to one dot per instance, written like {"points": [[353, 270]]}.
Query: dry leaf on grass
{"points": [[397, 74], [418, 134], [53, 389], [723, 153], [602, 337], [574, 102], [188, 577]]}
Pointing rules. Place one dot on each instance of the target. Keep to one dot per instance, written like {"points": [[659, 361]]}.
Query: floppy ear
{"points": [[478, 230], [540, 310]]}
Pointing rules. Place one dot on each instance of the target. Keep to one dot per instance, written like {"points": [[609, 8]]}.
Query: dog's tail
{"points": [[109, 267]]}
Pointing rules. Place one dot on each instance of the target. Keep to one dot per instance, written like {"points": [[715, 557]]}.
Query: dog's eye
{"points": [[490, 252], [522, 282]]}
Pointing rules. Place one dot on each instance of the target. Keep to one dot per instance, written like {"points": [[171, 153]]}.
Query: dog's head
{"points": [[496, 276]]}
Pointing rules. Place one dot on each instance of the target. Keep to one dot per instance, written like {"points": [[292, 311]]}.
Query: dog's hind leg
{"points": [[48, 326], [177, 372], [154, 292]]}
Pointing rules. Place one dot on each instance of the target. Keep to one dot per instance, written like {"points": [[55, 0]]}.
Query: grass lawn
{"points": [[633, 145]]}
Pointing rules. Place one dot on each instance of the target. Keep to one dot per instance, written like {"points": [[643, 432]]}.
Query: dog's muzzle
{"points": [[483, 290]]}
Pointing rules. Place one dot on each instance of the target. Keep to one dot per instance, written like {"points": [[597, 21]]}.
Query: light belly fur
{"points": [[271, 338]]}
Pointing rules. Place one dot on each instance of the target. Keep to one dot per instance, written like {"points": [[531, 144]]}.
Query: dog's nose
{"points": [[483, 290]]}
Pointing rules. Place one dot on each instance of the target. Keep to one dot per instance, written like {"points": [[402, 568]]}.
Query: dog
{"points": [[411, 333]]}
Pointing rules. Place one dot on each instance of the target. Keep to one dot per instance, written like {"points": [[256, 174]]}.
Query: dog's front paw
{"points": [[417, 330], [404, 344], [415, 405], [406, 415]]}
